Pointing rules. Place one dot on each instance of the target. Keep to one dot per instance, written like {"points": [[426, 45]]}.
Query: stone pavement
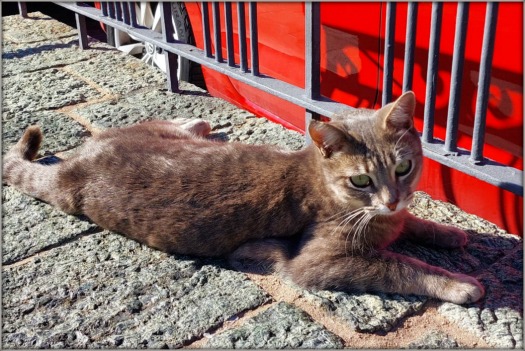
{"points": [[66, 283]]}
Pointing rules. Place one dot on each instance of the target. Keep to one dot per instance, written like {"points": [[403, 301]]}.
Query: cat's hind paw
{"points": [[195, 126]]}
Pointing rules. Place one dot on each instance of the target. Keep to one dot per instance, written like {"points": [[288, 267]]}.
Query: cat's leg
{"points": [[198, 127], [263, 253], [183, 128], [323, 265], [432, 233]]}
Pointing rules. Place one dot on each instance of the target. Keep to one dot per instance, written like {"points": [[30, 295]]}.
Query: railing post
{"points": [[229, 34], [241, 13], [168, 33], [432, 73], [206, 29], [22, 9], [408, 71], [254, 38], [389, 52], [489, 34], [451, 139], [82, 31], [312, 59], [215, 10]]}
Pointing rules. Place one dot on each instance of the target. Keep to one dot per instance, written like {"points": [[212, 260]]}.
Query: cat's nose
{"points": [[392, 206]]}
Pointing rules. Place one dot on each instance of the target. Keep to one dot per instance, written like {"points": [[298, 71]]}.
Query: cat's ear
{"points": [[400, 113], [326, 137]]}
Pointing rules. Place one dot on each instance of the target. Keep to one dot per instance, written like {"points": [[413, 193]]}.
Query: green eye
{"points": [[403, 168], [361, 181]]}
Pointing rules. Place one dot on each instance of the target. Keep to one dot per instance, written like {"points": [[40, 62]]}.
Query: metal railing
{"points": [[121, 16]]}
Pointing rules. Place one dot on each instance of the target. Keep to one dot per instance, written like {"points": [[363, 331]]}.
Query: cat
{"points": [[323, 215]]}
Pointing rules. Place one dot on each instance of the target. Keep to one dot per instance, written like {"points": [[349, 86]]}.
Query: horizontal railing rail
{"points": [[120, 15]]}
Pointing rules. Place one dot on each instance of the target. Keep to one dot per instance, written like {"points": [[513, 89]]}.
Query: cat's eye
{"points": [[403, 168], [361, 181]]}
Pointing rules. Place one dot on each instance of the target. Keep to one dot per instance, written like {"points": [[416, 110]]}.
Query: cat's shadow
{"points": [[495, 260]]}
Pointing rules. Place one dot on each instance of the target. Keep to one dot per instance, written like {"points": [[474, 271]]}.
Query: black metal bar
{"points": [[242, 36], [254, 38], [432, 73], [82, 31], [229, 34], [408, 70], [118, 10], [168, 36], [133, 13], [22, 9], [125, 13], [206, 29], [312, 59], [389, 52], [217, 30], [111, 9], [458, 58], [104, 7], [485, 67], [312, 50]]}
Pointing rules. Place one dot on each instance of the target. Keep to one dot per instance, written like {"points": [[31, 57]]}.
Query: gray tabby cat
{"points": [[322, 215]]}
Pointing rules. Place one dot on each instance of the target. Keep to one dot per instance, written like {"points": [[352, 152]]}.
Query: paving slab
{"points": [[367, 312], [104, 290], [434, 340], [43, 90], [281, 326], [498, 318], [118, 73], [60, 131], [36, 56], [36, 28], [30, 226]]}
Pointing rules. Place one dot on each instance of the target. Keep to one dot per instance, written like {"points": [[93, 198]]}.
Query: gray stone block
{"points": [[498, 318], [43, 90], [60, 131], [367, 312], [30, 226], [446, 213], [118, 73], [38, 27], [279, 327], [32, 57], [104, 290], [434, 340]]}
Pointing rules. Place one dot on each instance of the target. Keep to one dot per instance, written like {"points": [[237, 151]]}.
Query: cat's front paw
{"points": [[463, 289], [450, 237]]}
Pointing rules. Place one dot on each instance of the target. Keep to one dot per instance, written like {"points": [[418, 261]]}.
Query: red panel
{"points": [[352, 44], [472, 195]]}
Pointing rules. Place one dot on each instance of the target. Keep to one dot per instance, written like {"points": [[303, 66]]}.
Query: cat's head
{"points": [[371, 158]]}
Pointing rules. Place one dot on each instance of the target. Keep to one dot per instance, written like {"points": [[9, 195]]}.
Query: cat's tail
{"points": [[31, 178], [17, 159], [261, 256]]}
